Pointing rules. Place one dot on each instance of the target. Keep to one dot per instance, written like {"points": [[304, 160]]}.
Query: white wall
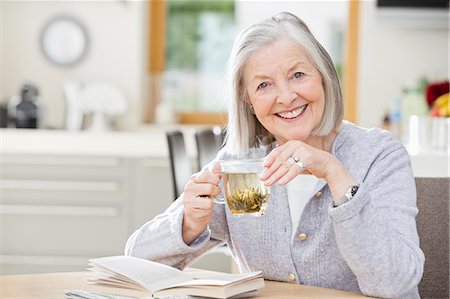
{"points": [[389, 55], [116, 52], [320, 16]]}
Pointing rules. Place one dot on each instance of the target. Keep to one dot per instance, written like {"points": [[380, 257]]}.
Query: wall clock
{"points": [[64, 41]]}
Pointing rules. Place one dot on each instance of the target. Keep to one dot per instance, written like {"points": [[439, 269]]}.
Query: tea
{"points": [[245, 193]]}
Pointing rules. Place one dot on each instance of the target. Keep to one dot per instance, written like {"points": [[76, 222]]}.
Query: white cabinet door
{"points": [[58, 211]]}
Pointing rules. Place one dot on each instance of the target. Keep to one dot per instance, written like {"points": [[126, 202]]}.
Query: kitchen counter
{"points": [[431, 164], [149, 141]]}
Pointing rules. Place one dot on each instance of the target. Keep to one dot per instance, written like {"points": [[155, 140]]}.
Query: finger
{"points": [[293, 171], [286, 149], [279, 172], [206, 177], [202, 203], [216, 169], [271, 157], [278, 160], [202, 189]]}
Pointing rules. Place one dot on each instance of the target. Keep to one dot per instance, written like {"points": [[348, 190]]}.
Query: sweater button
{"points": [[302, 237], [291, 277], [318, 195]]}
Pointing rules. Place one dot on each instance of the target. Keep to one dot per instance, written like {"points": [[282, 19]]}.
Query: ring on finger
{"points": [[302, 165], [296, 161], [292, 160]]}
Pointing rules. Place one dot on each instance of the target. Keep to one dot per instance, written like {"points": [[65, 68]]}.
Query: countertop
{"points": [[149, 141]]}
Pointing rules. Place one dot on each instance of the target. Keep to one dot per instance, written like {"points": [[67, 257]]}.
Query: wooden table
{"points": [[53, 285]]}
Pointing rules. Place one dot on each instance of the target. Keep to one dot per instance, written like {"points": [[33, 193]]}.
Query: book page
{"points": [[150, 275], [221, 280], [242, 288]]}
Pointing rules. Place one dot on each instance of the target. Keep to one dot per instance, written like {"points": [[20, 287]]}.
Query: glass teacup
{"points": [[245, 193]]}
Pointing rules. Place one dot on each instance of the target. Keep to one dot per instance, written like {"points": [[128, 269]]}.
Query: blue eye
{"points": [[298, 75], [263, 85]]}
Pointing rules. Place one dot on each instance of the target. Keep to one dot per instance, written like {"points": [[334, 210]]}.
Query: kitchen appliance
{"points": [[101, 101], [25, 111]]}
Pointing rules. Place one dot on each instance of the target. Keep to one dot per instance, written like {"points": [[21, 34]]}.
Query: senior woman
{"points": [[352, 229]]}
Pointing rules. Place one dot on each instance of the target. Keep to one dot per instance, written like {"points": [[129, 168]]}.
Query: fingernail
{"points": [[263, 175], [269, 182]]}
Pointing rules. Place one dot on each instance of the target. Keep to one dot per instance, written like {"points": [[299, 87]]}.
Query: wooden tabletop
{"points": [[53, 285]]}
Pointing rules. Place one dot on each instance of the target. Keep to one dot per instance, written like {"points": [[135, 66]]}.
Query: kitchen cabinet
{"points": [[58, 211], [70, 196]]}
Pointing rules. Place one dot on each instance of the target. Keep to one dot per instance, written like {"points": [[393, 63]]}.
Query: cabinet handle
{"points": [[61, 161], [58, 210], [60, 185]]}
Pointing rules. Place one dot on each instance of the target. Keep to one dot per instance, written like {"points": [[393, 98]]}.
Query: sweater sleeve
{"points": [[376, 231], [161, 240]]}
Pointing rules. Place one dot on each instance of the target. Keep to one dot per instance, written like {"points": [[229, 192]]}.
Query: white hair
{"points": [[244, 131]]}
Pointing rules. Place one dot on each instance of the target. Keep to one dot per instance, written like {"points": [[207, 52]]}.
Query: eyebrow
{"points": [[300, 63], [262, 77]]}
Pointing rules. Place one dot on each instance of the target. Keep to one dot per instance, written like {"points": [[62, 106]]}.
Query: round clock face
{"points": [[64, 41]]}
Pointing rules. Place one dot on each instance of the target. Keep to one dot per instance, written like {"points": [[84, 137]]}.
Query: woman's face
{"points": [[285, 90]]}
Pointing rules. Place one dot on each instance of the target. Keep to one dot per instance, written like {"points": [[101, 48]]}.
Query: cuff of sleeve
{"points": [[350, 208], [177, 229]]}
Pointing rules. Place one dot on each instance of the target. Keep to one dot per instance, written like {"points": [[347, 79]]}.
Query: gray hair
{"points": [[244, 131]]}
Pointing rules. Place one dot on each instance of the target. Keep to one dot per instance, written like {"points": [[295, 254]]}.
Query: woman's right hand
{"points": [[197, 201]]}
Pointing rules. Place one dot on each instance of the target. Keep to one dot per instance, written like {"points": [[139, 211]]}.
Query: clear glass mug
{"points": [[244, 192]]}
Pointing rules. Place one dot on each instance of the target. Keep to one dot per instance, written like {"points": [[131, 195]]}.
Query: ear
{"points": [[252, 110], [247, 101]]}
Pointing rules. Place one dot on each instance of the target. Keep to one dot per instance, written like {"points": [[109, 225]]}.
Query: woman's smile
{"points": [[292, 114]]}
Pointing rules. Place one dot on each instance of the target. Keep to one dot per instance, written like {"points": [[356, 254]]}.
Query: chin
{"points": [[284, 139]]}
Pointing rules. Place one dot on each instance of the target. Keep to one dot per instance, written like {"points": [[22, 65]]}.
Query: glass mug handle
{"points": [[216, 199]]}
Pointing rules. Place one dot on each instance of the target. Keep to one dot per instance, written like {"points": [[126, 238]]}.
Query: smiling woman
{"points": [[342, 197]]}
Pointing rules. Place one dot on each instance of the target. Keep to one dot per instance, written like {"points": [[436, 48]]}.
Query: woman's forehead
{"points": [[280, 55]]}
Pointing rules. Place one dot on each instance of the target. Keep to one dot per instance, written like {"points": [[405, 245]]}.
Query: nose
{"points": [[286, 94]]}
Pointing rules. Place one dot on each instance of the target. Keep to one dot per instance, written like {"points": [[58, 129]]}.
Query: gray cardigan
{"points": [[368, 245]]}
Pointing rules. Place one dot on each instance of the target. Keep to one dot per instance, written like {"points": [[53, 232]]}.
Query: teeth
{"points": [[293, 113]]}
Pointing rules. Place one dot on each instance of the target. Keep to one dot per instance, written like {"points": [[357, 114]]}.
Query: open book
{"points": [[134, 277]]}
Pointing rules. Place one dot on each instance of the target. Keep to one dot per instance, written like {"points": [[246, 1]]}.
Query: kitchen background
{"points": [[99, 162], [392, 51]]}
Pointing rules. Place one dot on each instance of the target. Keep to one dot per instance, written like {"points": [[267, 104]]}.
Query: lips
{"points": [[292, 114]]}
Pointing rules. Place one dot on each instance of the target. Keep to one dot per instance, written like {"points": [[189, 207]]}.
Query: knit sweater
{"points": [[368, 245]]}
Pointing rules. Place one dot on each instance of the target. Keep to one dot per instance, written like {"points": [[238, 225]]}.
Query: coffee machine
{"points": [[25, 111]]}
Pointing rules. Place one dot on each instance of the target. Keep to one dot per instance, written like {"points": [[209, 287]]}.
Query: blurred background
{"points": [[88, 90]]}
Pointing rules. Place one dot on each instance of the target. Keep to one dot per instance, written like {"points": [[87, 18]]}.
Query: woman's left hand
{"points": [[295, 157], [281, 166]]}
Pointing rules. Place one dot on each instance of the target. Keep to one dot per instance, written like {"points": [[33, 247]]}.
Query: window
{"points": [[199, 37]]}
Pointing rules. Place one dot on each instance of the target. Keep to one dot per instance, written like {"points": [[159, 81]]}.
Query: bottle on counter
{"points": [[395, 117], [413, 104]]}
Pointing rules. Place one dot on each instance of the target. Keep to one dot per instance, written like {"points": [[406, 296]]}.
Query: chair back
{"points": [[180, 163], [208, 142], [433, 228]]}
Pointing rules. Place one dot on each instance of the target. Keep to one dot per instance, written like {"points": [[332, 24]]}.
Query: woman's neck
{"points": [[324, 143]]}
